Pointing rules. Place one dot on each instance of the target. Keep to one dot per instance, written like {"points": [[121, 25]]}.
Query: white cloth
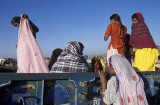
{"points": [[110, 93], [111, 52], [130, 86]]}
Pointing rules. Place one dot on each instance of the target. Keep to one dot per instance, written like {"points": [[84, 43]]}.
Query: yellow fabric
{"points": [[103, 64], [145, 59]]}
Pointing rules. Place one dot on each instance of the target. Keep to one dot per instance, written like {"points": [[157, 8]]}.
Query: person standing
{"points": [[144, 47], [29, 55], [117, 31]]}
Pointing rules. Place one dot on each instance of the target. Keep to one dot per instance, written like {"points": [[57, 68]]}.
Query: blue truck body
{"points": [[62, 89]]}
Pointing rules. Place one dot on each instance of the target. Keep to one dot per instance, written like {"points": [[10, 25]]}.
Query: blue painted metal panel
{"points": [[62, 89], [28, 92]]}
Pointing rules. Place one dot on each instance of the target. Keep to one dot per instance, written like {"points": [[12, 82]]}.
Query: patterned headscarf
{"points": [[71, 60], [130, 89]]}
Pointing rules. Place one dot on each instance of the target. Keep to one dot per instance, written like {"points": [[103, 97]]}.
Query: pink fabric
{"points": [[29, 56], [110, 52], [130, 90], [140, 35]]}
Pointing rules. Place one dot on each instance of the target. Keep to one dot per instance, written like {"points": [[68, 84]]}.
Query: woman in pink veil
{"points": [[29, 56], [126, 87]]}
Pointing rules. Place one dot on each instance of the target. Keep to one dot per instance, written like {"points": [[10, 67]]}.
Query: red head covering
{"points": [[140, 17], [140, 35]]}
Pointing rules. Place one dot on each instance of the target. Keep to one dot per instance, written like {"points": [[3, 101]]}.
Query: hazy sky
{"points": [[61, 21]]}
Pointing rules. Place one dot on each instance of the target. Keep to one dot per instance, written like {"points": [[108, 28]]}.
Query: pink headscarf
{"points": [[130, 89], [140, 35], [29, 56]]}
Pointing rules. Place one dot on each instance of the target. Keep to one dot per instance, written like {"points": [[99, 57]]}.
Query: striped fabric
{"points": [[71, 60], [140, 36]]}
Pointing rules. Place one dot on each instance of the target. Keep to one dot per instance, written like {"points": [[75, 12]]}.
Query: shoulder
{"points": [[111, 84], [110, 92], [115, 25], [112, 81], [110, 25]]}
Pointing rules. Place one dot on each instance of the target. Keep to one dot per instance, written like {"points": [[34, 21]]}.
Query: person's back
{"points": [[117, 31], [71, 60], [117, 35]]}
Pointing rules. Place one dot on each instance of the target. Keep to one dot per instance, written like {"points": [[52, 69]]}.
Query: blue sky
{"points": [[61, 21]]}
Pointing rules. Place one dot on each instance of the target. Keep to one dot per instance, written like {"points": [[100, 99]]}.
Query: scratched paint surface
{"points": [[59, 89]]}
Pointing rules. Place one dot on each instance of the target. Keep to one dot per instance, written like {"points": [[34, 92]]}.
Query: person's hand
{"points": [[24, 16], [102, 75], [16, 45], [105, 38]]}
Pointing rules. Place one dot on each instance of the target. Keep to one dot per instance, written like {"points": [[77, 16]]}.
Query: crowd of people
{"points": [[125, 87]]}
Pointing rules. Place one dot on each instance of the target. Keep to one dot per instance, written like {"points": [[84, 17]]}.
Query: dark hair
{"points": [[95, 60], [116, 17], [81, 45], [54, 57], [15, 19], [134, 16]]}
